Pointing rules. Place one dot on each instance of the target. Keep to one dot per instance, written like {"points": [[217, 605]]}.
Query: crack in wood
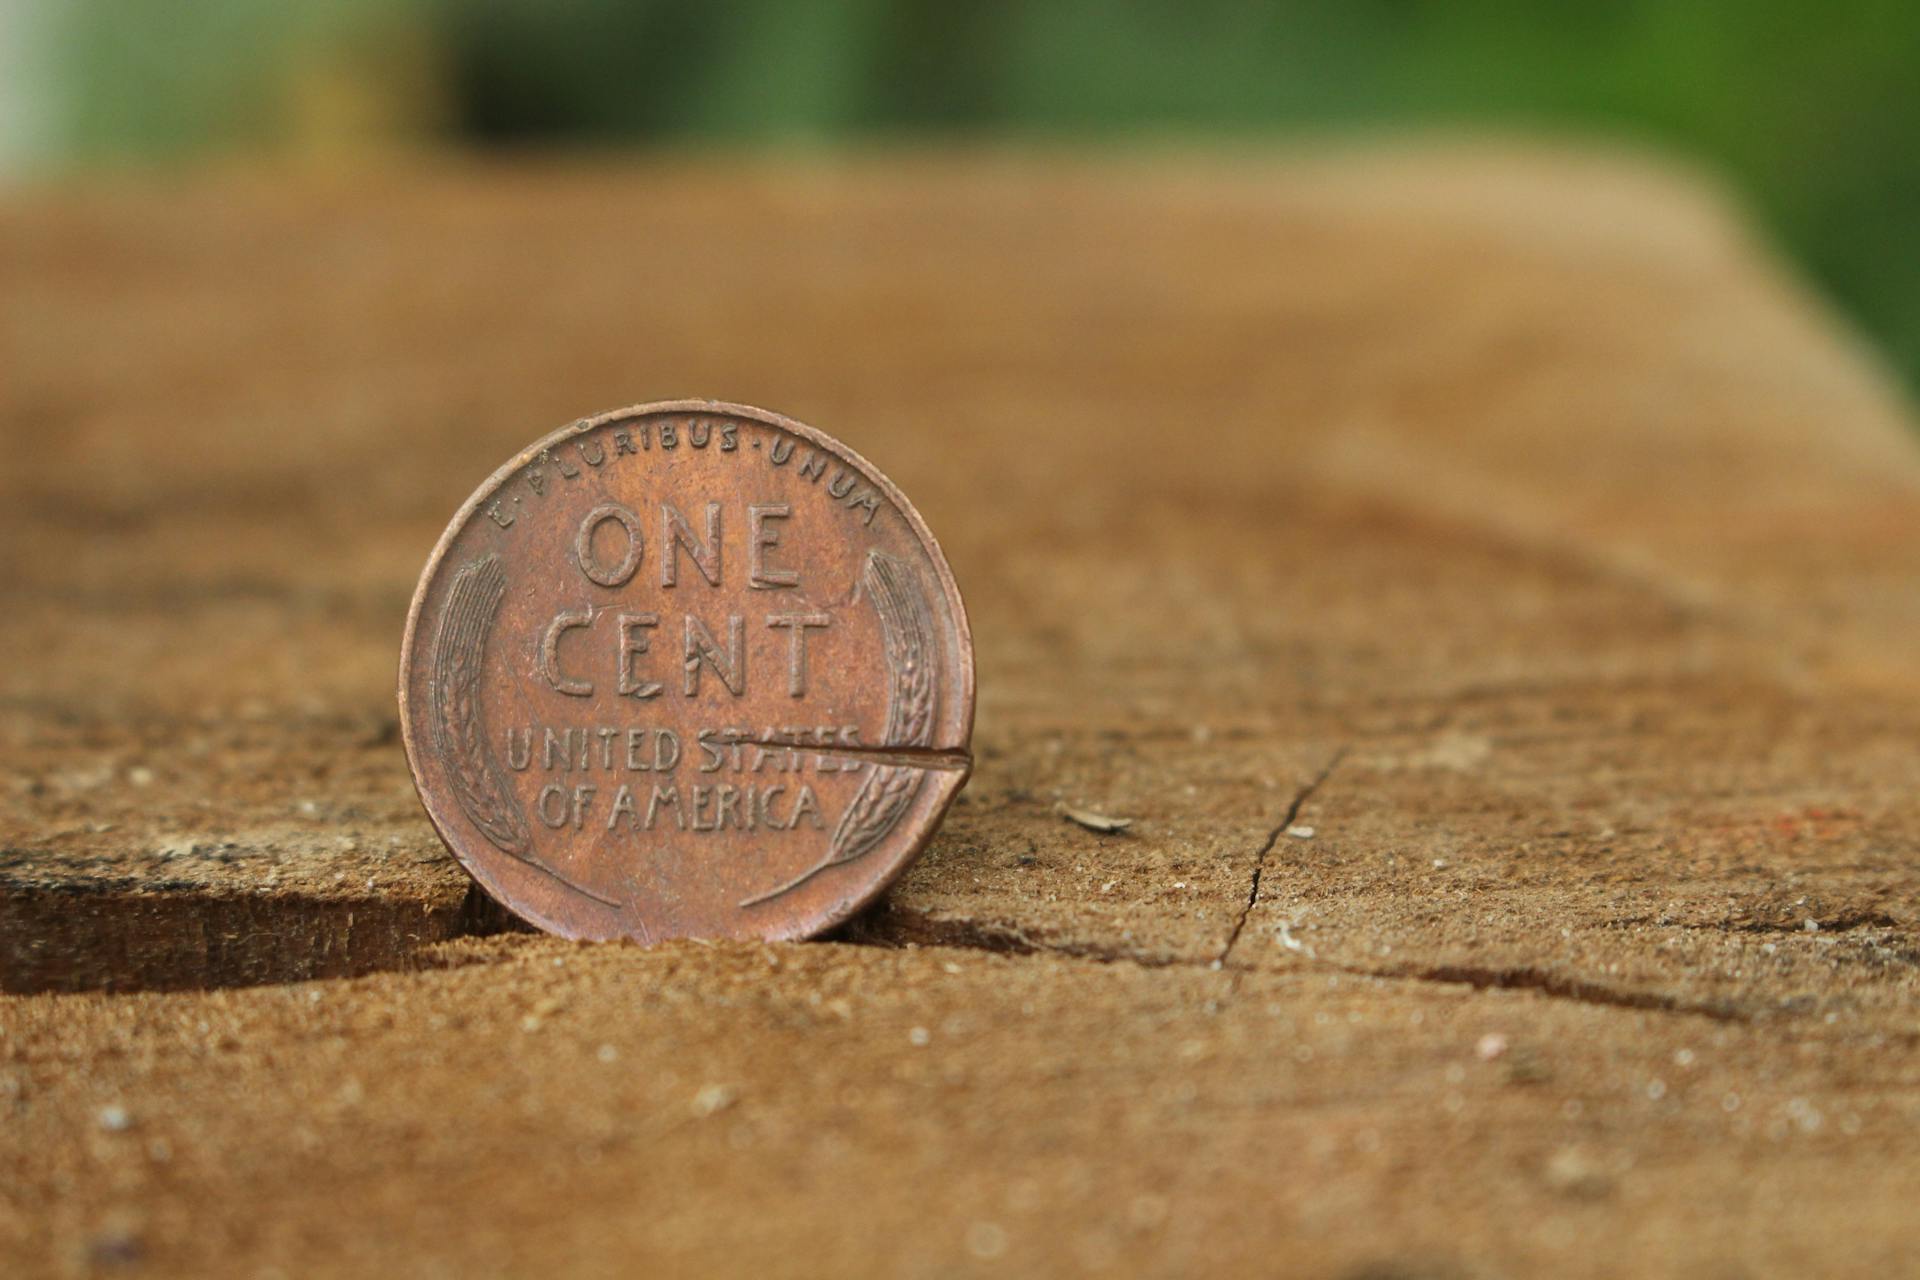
{"points": [[1547, 983], [1260, 856], [895, 927]]}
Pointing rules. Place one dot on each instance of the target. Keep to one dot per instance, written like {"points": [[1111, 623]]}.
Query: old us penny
{"points": [[687, 669]]}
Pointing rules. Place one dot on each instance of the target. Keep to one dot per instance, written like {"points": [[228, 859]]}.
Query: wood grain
{"points": [[1484, 577]]}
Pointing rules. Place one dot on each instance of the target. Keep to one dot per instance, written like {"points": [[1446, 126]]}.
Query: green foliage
{"points": [[1813, 109]]}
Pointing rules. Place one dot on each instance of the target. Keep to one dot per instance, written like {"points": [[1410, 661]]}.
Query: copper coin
{"points": [[687, 670]]}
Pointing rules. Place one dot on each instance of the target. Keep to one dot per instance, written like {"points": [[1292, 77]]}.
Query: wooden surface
{"points": [[1487, 582]]}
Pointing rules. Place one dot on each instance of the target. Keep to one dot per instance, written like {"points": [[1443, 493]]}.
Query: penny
{"points": [[687, 670]]}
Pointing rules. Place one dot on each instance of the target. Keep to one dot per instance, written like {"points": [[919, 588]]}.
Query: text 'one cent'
{"points": [[687, 670]]}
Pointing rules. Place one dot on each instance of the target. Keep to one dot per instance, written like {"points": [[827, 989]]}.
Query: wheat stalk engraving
{"points": [[459, 729], [459, 732], [913, 657]]}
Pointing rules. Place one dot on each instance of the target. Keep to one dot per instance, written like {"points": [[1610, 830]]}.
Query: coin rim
{"points": [[844, 908]]}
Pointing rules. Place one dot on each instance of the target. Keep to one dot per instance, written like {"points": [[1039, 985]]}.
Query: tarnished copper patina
{"points": [[687, 670]]}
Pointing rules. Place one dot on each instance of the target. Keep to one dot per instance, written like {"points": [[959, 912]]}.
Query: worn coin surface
{"points": [[687, 669]]}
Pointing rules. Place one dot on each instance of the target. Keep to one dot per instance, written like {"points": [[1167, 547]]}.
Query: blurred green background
{"points": [[1812, 111]]}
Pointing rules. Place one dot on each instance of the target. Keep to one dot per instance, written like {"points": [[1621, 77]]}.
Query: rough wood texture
{"points": [[1487, 584]]}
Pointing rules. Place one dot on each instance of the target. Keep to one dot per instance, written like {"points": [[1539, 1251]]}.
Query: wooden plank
{"points": [[1485, 583]]}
